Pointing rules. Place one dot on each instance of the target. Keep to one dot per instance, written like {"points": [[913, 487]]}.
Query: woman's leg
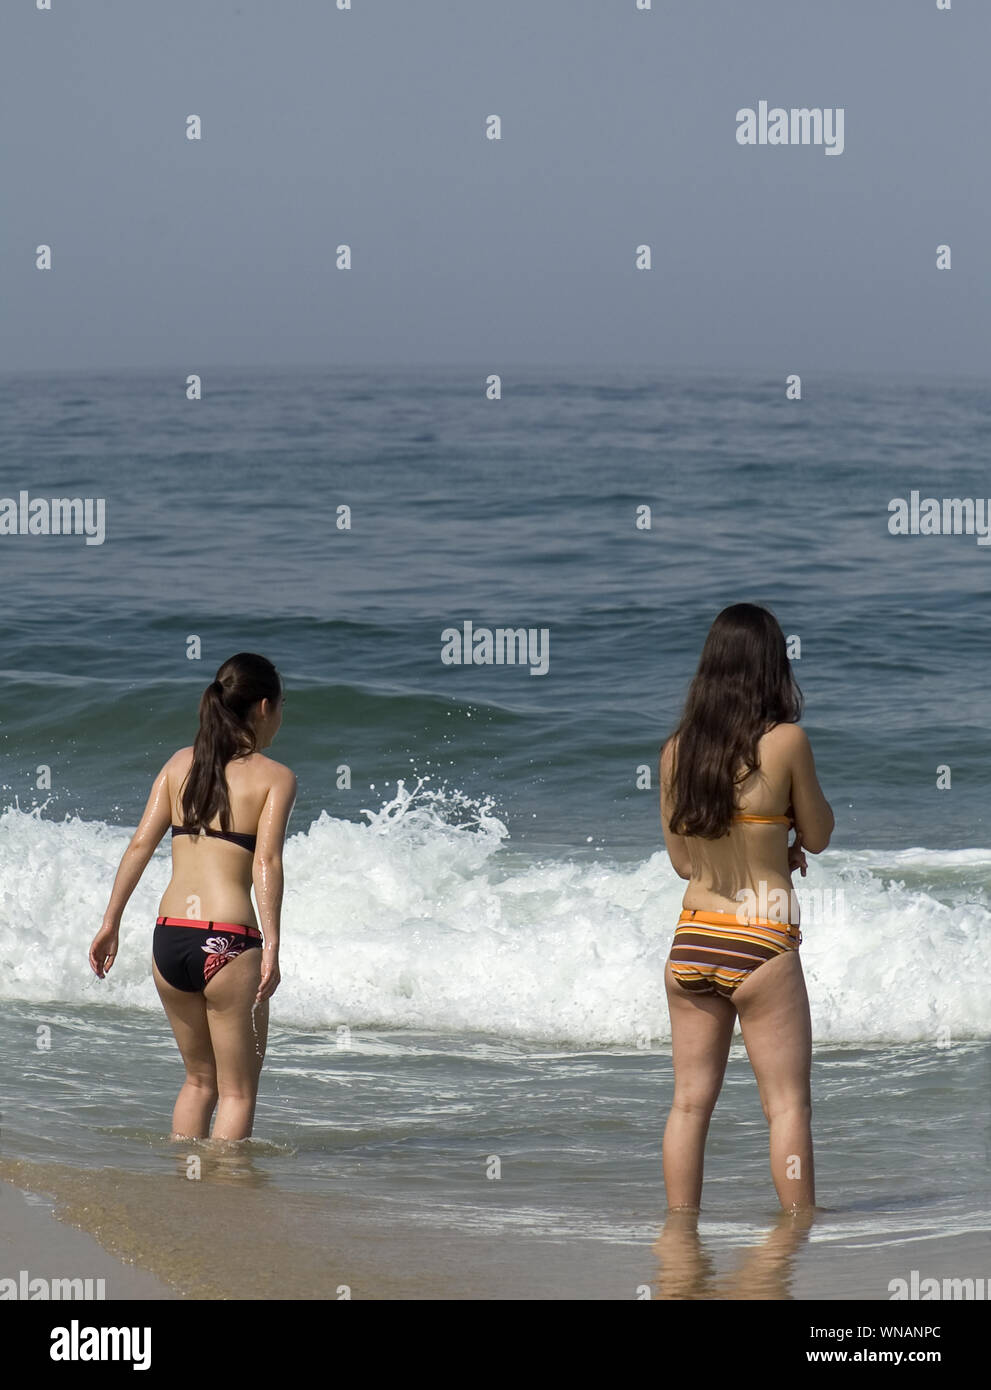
{"points": [[773, 1005], [239, 1041], [701, 1032], [187, 1014]]}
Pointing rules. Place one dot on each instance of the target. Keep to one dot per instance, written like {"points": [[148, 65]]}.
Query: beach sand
{"points": [[32, 1240], [229, 1236]]}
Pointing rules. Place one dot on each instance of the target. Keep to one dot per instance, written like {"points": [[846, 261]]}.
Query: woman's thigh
{"points": [[701, 1033], [773, 1005], [238, 1027], [186, 1012]]}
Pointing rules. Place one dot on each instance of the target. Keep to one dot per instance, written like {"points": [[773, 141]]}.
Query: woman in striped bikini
{"points": [[736, 775]]}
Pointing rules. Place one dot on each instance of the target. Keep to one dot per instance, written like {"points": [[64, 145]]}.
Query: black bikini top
{"points": [[236, 837]]}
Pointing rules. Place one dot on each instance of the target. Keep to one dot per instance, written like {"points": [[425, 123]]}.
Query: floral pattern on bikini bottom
{"points": [[219, 950]]}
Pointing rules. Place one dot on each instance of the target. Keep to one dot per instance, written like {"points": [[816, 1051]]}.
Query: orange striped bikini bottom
{"points": [[713, 952]]}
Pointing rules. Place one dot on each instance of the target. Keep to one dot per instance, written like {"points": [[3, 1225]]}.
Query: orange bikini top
{"points": [[767, 820]]}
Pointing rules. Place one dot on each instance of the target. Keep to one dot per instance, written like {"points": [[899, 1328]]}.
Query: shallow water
{"points": [[477, 915], [419, 1122]]}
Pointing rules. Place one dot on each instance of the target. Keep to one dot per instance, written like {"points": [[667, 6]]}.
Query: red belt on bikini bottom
{"points": [[207, 926]]}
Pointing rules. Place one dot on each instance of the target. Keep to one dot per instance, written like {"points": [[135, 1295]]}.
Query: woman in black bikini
{"points": [[212, 972], [735, 775]]}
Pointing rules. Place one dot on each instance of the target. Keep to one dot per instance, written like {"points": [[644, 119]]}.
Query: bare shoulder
{"points": [[668, 751], [785, 746], [180, 759], [788, 737], [277, 773]]}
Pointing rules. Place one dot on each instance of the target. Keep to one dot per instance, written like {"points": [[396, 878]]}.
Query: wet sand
{"points": [[32, 1240], [231, 1234]]}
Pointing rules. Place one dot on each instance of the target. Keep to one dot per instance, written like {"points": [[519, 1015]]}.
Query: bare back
{"points": [[211, 878], [754, 856]]}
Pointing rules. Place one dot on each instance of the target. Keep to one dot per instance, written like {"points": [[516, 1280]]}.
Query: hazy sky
{"points": [[367, 127]]}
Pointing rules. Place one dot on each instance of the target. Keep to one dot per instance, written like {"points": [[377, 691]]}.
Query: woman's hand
{"points": [[270, 973], [796, 856], [103, 951]]}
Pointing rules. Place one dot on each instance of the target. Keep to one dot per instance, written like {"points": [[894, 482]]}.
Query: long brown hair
{"points": [[225, 733], [744, 684]]}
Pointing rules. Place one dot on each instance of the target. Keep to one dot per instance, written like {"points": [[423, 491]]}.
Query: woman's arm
{"points": [[677, 852], [267, 876], [814, 819], [152, 826]]}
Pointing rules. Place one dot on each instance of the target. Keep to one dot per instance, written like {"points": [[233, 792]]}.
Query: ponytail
{"points": [[225, 733]]}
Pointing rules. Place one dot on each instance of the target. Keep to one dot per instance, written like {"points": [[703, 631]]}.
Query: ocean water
{"points": [[474, 930]]}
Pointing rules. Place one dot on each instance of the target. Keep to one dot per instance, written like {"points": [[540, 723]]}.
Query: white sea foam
{"points": [[426, 918]]}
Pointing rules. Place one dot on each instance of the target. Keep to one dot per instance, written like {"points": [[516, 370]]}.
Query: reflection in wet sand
{"points": [[218, 1161], [687, 1270]]}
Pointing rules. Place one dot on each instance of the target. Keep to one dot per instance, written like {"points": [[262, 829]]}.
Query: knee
{"points": [[237, 1090], [796, 1109], [202, 1080], [693, 1105]]}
